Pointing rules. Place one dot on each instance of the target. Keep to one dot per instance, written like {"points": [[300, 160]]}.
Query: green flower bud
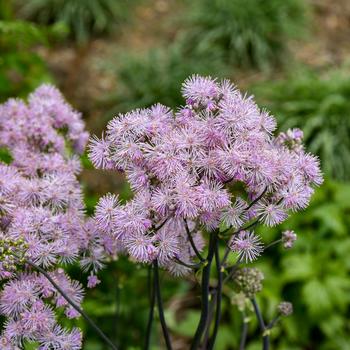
{"points": [[248, 281]]}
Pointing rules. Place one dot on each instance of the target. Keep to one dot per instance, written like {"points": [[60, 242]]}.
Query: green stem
{"points": [[273, 243]]}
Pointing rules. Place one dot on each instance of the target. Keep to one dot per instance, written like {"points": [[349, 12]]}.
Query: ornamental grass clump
{"points": [[253, 34], [204, 175]]}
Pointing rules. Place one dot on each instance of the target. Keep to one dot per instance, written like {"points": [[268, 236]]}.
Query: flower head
{"points": [[182, 164], [247, 245]]}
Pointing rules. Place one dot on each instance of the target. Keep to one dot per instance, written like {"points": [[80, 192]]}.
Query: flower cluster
{"points": [[248, 281], [41, 211], [30, 318], [182, 166]]}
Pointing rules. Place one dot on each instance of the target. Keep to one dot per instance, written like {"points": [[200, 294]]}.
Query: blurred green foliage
{"points": [[314, 275], [21, 68], [320, 106], [5, 155], [157, 76], [83, 18], [216, 36], [250, 33]]}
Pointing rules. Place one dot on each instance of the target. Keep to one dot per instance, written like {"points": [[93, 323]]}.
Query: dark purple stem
{"points": [[205, 293], [160, 305]]}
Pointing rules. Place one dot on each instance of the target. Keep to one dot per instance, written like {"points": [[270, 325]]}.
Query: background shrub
{"points": [[320, 105], [157, 75], [253, 33], [83, 18], [21, 68]]}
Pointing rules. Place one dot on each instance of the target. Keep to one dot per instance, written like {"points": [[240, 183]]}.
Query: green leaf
{"points": [[316, 298], [331, 218], [332, 324], [338, 289], [297, 268], [5, 155]]}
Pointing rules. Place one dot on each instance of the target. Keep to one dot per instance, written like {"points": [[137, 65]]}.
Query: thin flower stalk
{"points": [[74, 305], [264, 330]]}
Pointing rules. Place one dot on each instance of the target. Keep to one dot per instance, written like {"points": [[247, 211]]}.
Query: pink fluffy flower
{"points": [[247, 245], [41, 204], [192, 165]]}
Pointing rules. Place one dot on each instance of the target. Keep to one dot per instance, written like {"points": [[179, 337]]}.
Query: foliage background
{"points": [[111, 56]]}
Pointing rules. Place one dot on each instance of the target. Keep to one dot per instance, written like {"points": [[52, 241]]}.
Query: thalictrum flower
{"points": [[248, 246], [180, 166]]}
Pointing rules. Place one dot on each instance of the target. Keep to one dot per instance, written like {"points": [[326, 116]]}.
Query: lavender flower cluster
{"points": [[184, 166], [41, 207]]}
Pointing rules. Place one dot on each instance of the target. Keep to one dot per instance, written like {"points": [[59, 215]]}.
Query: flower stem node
{"points": [[266, 332], [246, 319]]}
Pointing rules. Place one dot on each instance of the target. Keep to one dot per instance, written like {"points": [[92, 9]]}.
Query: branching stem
{"points": [[193, 245], [263, 328], [161, 225], [190, 266], [256, 199], [244, 333], [73, 304]]}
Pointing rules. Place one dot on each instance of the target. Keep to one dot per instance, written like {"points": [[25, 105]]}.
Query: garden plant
{"points": [[204, 178]]}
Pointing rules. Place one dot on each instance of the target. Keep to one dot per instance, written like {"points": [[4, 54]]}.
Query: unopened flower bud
{"points": [[285, 308], [288, 238], [12, 252], [248, 281]]}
